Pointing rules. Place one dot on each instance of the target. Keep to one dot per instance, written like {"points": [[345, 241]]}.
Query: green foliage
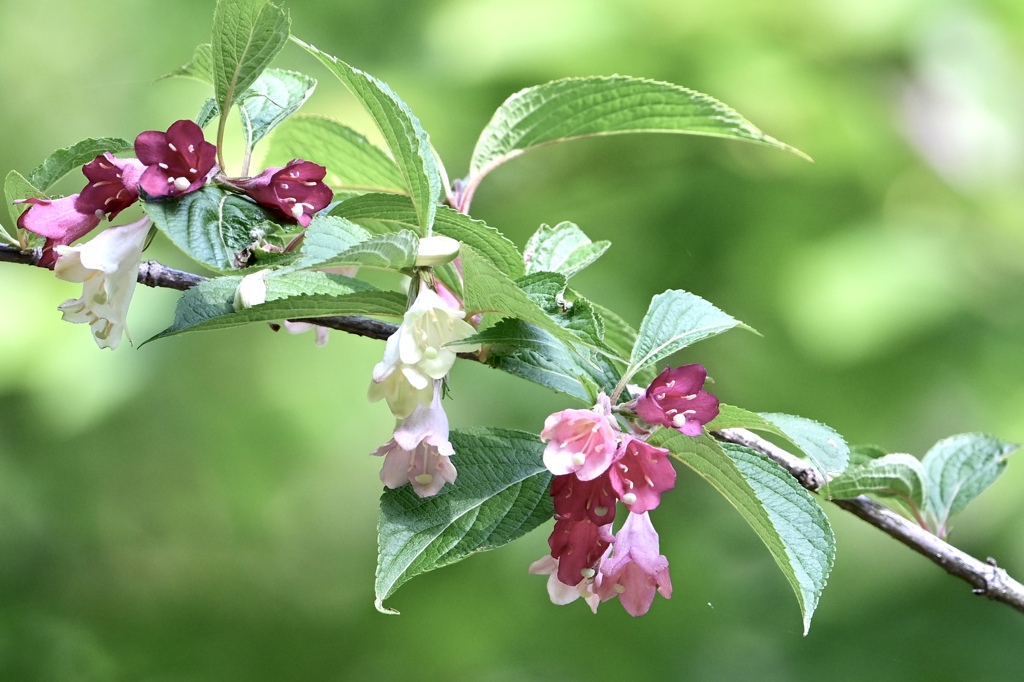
{"points": [[785, 517], [897, 475], [16, 186], [276, 95], [67, 159], [563, 249], [402, 131], [501, 493]]}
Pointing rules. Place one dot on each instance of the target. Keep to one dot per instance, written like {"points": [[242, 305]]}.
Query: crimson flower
{"points": [[676, 399], [59, 221], [295, 191], [578, 546], [113, 185], [577, 500], [177, 162]]}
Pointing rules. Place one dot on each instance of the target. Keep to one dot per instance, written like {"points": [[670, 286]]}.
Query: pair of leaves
{"points": [[950, 475]]}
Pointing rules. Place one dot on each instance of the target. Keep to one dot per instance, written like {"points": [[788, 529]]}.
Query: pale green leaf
{"points": [[352, 161], [785, 517], [562, 248], [604, 105], [392, 251], [67, 159], [16, 186], [276, 95], [896, 475], [500, 494], [200, 67], [402, 131]]}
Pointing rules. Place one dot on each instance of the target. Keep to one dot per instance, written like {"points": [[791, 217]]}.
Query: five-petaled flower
{"points": [[582, 442], [640, 473], [636, 569], [107, 266], [295, 191], [676, 399], [113, 185], [177, 162]]}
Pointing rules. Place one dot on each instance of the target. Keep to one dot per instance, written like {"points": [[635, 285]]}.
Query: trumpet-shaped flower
{"points": [[676, 399], [113, 185], [577, 500], [295, 191], [636, 569], [578, 546], [559, 592], [107, 266], [419, 452], [177, 162], [580, 441], [640, 474], [59, 221]]}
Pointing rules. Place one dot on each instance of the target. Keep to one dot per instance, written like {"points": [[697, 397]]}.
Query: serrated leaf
{"points": [[959, 469], [67, 159], [896, 475], [207, 113], [276, 95], [200, 67], [211, 225], [247, 35], [562, 248], [500, 494], [547, 290], [620, 337], [859, 454], [402, 131], [785, 517], [389, 212], [605, 105], [822, 445], [392, 251], [674, 320], [210, 304], [352, 161], [16, 186], [326, 237]]}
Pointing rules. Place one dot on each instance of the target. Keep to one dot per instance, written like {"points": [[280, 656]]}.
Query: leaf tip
{"points": [[379, 605]]}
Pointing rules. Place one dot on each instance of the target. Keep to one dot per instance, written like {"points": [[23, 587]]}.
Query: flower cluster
{"points": [[168, 164], [410, 377], [596, 465]]}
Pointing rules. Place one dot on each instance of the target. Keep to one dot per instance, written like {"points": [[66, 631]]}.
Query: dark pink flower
{"points": [[577, 500], [113, 185], [636, 569], [640, 474], [177, 162], [676, 399], [580, 441], [58, 220], [578, 546], [295, 192]]}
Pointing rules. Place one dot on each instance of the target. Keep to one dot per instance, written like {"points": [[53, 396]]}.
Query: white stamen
{"points": [[588, 573], [423, 479], [600, 511], [163, 166], [619, 589], [173, 148], [181, 184], [579, 459], [628, 499], [297, 211]]}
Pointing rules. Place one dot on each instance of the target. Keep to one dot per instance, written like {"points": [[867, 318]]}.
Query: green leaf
{"points": [[562, 248], [328, 236], [392, 251], [207, 113], [17, 187], [959, 469], [620, 337], [210, 304], [825, 448], [860, 454], [500, 494], [211, 225], [247, 35], [785, 517], [276, 95], [674, 320], [897, 475], [352, 161], [391, 212], [67, 159], [199, 68], [583, 107], [547, 289], [402, 131]]}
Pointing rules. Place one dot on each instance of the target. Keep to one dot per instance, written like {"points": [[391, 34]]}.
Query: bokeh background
{"points": [[203, 508]]}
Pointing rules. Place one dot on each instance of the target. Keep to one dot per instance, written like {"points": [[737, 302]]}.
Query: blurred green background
{"points": [[204, 508]]}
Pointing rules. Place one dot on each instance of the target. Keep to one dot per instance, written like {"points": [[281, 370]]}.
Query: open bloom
{"points": [[576, 499], [640, 473], [113, 185], [59, 221], [559, 592], [580, 441], [419, 452], [636, 569], [676, 399], [107, 266], [295, 191], [177, 162]]}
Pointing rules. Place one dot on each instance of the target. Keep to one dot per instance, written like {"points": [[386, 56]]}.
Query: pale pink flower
{"points": [[636, 569], [582, 442], [559, 592]]}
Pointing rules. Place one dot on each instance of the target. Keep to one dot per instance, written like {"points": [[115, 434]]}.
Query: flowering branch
{"points": [[987, 578]]}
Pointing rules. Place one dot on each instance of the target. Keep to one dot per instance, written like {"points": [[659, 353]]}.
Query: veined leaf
{"points": [[16, 186], [563, 249], [500, 494], [326, 237], [604, 105], [896, 475], [401, 129], [352, 161], [200, 67], [785, 517], [392, 251], [276, 95], [67, 159]]}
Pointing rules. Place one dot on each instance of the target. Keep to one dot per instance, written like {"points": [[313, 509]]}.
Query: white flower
{"points": [[252, 290], [107, 266]]}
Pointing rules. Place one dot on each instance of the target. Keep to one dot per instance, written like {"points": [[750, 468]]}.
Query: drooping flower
{"points": [[323, 334], [640, 474], [58, 221], [559, 592], [177, 162], [582, 442], [676, 399], [636, 569], [295, 191], [419, 452], [107, 266], [578, 545], [113, 185], [575, 499], [402, 386]]}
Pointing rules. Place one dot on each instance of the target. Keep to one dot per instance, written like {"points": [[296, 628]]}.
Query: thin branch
{"points": [[985, 576]]}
